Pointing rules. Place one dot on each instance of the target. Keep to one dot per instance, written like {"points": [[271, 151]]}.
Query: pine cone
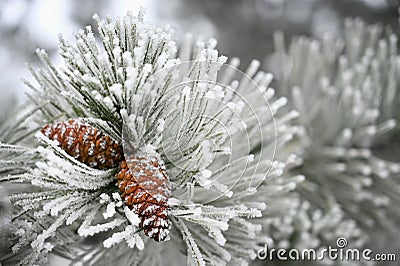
{"points": [[85, 143], [145, 189]]}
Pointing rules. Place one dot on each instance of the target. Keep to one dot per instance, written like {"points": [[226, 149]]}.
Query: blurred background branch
{"points": [[244, 28]]}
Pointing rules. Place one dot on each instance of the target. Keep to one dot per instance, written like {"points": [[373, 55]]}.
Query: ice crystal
{"points": [[221, 133]]}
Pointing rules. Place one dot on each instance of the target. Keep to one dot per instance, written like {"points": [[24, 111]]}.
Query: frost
{"points": [[110, 211], [104, 198], [161, 123], [115, 239], [86, 229], [132, 238], [139, 242], [131, 216]]}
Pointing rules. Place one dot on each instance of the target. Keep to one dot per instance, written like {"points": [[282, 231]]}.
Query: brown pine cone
{"points": [[85, 143], [145, 189]]}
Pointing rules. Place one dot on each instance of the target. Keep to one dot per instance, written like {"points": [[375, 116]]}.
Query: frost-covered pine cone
{"points": [[144, 184], [85, 143]]}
